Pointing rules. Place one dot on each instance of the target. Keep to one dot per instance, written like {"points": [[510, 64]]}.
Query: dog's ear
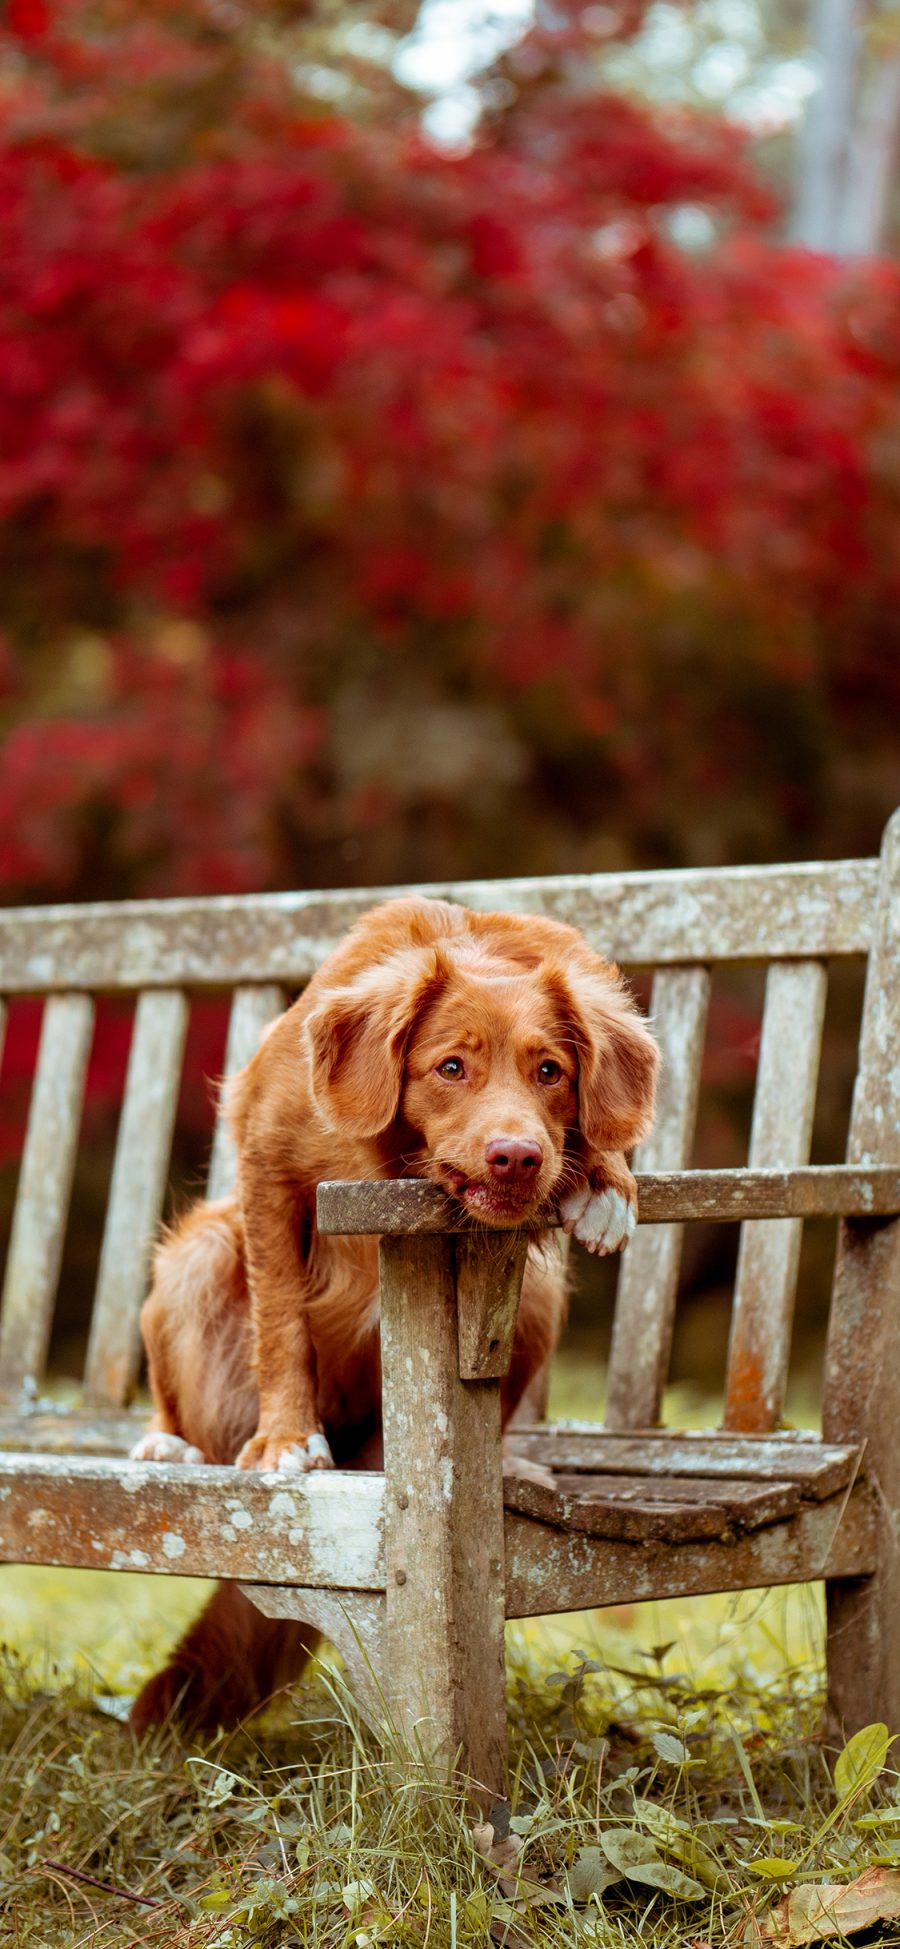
{"points": [[618, 1059], [357, 1037]]}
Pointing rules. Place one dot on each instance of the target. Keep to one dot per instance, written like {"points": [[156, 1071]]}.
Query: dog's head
{"points": [[496, 1069]]}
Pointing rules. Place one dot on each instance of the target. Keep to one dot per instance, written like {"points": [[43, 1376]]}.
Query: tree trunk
{"points": [[827, 134]]}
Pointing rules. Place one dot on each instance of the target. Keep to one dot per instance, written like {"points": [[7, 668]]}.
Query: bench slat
{"points": [[819, 1469], [45, 1184], [323, 1528], [634, 1510], [769, 1251], [49, 1430], [252, 1009], [398, 1205], [648, 1282], [136, 1195], [725, 913]]}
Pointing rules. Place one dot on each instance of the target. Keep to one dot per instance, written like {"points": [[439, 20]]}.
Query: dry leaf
{"points": [[817, 1910], [500, 1851]]}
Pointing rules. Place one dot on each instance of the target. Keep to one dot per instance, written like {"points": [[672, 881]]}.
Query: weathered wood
{"points": [[553, 1570], [648, 1282], [725, 913], [443, 1520], [862, 1362], [353, 1621], [45, 1184], [318, 1529], [632, 1509], [136, 1195], [252, 1010], [769, 1251], [819, 1469], [49, 1430], [403, 1207], [488, 1284]]}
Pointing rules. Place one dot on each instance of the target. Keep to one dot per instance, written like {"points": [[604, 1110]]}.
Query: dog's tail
{"points": [[230, 1662]]}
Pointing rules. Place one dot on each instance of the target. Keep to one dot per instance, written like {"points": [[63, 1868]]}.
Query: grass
{"points": [[669, 1785]]}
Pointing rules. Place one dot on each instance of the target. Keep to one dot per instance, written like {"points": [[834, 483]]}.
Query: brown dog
{"points": [[493, 1053]]}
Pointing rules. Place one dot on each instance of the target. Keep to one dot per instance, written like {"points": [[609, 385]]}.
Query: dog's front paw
{"points": [[602, 1220], [158, 1447], [290, 1454]]}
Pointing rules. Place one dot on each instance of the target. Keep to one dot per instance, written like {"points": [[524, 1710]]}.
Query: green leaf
{"points": [[670, 1749], [858, 1766], [590, 1874], [678, 1838], [775, 1867], [476, 1910], [355, 1893], [636, 1857]]}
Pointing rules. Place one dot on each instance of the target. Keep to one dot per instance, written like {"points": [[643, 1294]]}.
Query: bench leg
{"points": [[445, 1599], [862, 1391], [862, 1364]]}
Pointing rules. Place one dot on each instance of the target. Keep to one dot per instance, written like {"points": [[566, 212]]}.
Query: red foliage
{"points": [[301, 416]]}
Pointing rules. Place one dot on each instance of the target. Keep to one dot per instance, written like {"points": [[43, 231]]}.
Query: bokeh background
{"points": [[445, 440]]}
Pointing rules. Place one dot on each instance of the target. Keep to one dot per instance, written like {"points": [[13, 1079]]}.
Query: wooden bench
{"points": [[412, 1573]]}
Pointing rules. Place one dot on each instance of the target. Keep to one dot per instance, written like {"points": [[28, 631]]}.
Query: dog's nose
{"points": [[512, 1159]]}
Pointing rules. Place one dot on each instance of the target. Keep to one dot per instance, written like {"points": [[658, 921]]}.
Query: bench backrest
{"points": [[260, 949]]}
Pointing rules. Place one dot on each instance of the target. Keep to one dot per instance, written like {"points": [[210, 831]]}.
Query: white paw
{"points": [[156, 1447], [601, 1220], [315, 1453]]}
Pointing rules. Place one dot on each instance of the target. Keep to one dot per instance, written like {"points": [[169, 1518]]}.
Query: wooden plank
{"points": [[862, 1361], [398, 1207], [769, 1251], [488, 1286], [48, 1430], [820, 1469], [45, 1185], [136, 1195], [550, 1570], [723, 913], [252, 1010], [443, 1520], [648, 1281], [318, 1529], [633, 1509]]}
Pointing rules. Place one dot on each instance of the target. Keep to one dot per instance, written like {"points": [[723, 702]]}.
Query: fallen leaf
{"points": [[482, 1837], [815, 1911]]}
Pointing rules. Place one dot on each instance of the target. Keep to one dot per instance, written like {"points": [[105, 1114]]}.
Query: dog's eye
{"points": [[451, 1070], [549, 1072]]}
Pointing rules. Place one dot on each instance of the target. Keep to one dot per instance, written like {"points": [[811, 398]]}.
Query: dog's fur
{"points": [[431, 1034]]}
